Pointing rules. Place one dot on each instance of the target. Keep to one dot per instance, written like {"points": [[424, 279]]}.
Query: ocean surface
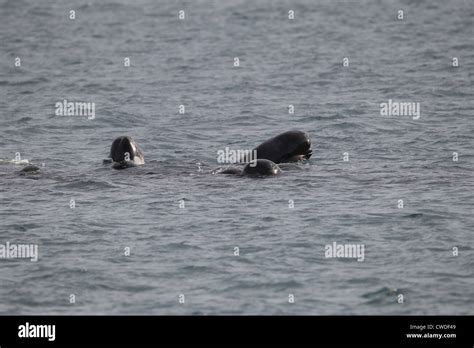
{"points": [[189, 251]]}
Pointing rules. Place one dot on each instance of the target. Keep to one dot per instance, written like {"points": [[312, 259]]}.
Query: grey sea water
{"points": [[190, 250]]}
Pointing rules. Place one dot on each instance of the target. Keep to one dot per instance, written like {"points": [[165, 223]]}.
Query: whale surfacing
{"points": [[125, 153], [262, 167], [291, 146]]}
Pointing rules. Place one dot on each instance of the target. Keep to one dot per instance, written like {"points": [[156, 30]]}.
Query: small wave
{"points": [[384, 295], [24, 119], [22, 162], [277, 286], [28, 82], [181, 246], [193, 268], [414, 215], [88, 185], [22, 227]]}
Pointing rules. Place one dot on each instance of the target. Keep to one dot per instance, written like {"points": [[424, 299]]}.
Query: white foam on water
{"points": [[22, 162]]}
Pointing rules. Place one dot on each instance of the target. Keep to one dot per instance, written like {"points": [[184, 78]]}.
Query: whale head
{"points": [[125, 153], [290, 146], [261, 167], [302, 150]]}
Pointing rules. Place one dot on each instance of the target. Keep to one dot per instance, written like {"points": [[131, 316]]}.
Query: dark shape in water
{"points": [[125, 153], [30, 169], [291, 146]]}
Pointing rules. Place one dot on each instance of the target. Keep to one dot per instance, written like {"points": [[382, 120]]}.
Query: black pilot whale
{"points": [[291, 146], [125, 153]]}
